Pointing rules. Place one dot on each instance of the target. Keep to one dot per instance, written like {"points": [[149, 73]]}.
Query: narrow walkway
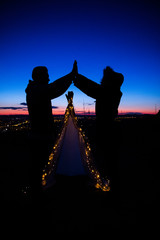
{"points": [[70, 162]]}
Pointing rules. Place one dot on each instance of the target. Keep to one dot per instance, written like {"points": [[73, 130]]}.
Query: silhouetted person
{"points": [[38, 95], [70, 107], [107, 95], [69, 97], [158, 114]]}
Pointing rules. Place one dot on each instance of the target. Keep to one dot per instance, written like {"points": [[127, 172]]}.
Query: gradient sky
{"points": [[124, 35]]}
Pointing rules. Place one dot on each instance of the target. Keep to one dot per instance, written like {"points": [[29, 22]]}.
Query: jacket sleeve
{"points": [[87, 86], [60, 86]]}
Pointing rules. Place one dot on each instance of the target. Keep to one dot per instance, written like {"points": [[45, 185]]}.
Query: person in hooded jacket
{"points": [[108, 96], [39, 94]]}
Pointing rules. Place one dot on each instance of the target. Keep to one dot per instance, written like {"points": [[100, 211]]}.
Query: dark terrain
{"points": [[72, 206]]}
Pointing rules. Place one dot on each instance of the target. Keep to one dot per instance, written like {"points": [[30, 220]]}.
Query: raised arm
{"points": [[87, 86], [59, 86]]}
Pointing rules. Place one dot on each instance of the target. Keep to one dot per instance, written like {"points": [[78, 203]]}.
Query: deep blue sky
{"points": [[122, 34]]}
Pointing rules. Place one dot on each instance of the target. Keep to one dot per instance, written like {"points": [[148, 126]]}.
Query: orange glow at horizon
{"points": [[145, 110], [13, 112], [61, 111]]}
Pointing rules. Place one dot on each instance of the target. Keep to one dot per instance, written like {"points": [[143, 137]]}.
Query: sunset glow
{"points": [[121, 34], [81, 112]]}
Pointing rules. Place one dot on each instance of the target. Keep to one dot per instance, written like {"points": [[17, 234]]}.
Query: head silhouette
{"points": [[40, 75], [111, 78]]}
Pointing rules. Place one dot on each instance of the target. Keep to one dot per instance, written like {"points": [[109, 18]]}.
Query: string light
{"points": [[86, 153], [100, 183]]}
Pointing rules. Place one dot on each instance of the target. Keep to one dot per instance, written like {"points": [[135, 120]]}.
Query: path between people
{"points": [[70, 162]]}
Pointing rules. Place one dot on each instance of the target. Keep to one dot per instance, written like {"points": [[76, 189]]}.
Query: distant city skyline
{"points": [[124, 35]]}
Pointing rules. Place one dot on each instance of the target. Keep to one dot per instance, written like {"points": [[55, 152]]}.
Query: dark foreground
{"points": [[72, 205]]}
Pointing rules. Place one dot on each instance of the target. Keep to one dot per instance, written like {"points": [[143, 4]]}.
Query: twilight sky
{"points": [[124, 35]]}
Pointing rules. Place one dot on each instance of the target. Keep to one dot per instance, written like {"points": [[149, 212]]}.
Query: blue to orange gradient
{"points": [[124, 35]]}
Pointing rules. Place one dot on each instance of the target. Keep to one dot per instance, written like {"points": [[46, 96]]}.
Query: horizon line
{"points": [[86, 114]]}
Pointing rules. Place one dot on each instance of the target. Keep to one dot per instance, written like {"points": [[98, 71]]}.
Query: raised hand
{"points": [[75, 69]]}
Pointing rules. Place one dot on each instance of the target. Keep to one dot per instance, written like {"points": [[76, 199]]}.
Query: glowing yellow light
{"points": [[106, 188], [43, 176], [97, 186], [44, 182]]}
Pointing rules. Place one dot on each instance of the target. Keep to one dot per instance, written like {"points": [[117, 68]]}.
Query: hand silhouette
{"points": [[75, 69]]}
